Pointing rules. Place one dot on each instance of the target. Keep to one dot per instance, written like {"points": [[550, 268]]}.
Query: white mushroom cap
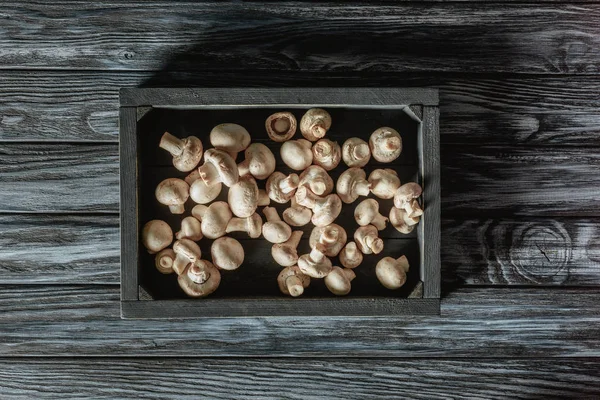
{"points": [[215, 220], [338, 281], [367, 212], [199, 279], [281, 126], [201, 193], [367, 240], [332, 239], [281, 188], [164, 261], [297, 154], [231, 138], [285, 254], [218, 167], [227, 253], [297, 215], [317, 180], [356, 152], [351, 184], [327, 154], [243, 197], [174, 193], [190, 229], [350, 256], [156, 235], [315, 264], [406, 197], [186, 251], [275, 230], [392, 272], [186, 152], [292, 281], [384, 183], [259, 161], [401, 221], [385, 144], [315, 123], [252, 225]]}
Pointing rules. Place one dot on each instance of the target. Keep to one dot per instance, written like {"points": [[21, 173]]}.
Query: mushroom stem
{"points": [[318, 186], [294, 240], [316, 254], [392, 143], [379, 222], [177, 209], [271, 214], [348, 273], [236, 225], [363, 188], [198, 274], [172, 144], [360, 151], [294, 285], [209, 174], [413, 209], [263, 197], [244, 167], [403, 261], [374, 243], [306, 197], [289, 183]]}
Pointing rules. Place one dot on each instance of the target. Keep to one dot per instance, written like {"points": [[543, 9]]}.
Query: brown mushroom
{"points": [[243, 197], [275, 230], [297, 215], [331, 238], [338, 281], [186, 251], [325, 209], [317, 180], [401, 221], [296, 154], [190, 229], [186, 152], [385, 144], [215, 220], [406, 198], [315, 264], [281, 126], [199, 279], [384, 183], [201, 193], [367, 212], [259, 161], [227, 253], [351, 184], [327, 154], [292, 281], [252, 225], [355, 152], [174, 193], [350, 256], [392, 272], [263, 198], [231, 138], [315, 123], [285, 254], [218, 167], [164, 261], [281, 188], [367, 240], [156, 235]]}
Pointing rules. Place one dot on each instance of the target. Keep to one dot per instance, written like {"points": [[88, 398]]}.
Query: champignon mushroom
{"points": [[218, 167], [406, 197], [186, 152], [192, 177], [327, 154], [190, 229], [198, 211], [367, 240], [384, 183], [231, 138], [325, 209], [315, 264], [351, 184], [275, 230], [215, 220], [174, 193], [355, 152], [297, 154], [156, 235], [292, 281], [331, 238], [315, 123], [243, 197], [281, 188], [227, 253], [281, 126], [385, 144], [259, 161], [317, 180], [285, 254], [338, 281], [263, 198], [186, 251], [164, 261], [252, 225], [199, 279], [350, 256], [297, 215], [201, 193], [367, 212], [401, 221], [392, 272]]}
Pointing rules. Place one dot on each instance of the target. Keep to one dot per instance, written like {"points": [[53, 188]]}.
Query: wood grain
{"points": [[475, 322], [527, 38], [247, 378]]}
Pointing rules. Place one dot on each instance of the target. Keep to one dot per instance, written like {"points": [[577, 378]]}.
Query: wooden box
{"points": [[252, 290]]}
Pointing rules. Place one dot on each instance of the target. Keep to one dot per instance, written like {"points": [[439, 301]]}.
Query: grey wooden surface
{"points": [[520, 122]]}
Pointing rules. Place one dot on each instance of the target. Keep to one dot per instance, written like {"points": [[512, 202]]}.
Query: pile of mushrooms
{"points": [[309, 192]]}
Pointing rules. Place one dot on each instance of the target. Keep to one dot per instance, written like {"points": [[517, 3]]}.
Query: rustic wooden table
{"points": [[520, 124]]}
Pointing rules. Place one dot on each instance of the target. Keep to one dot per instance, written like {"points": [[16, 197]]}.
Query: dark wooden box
{"points": [[145, 114]]}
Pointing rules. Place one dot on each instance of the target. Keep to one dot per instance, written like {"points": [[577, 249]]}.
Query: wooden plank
{"points": [[525, 110], [473, 37], [475, 322], [262, 378]]}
